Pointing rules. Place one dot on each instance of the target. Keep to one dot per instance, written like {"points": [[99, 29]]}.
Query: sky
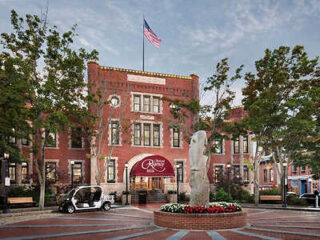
{"points": [[195, 35]]}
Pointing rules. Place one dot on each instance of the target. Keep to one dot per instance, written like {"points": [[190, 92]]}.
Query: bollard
{"points": [[317, 201]]}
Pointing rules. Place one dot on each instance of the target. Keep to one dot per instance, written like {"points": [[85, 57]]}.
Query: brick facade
{"points": [[200, 221]]}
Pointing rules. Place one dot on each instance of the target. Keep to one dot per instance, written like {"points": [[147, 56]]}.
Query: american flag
{"points": [[151, 36]]}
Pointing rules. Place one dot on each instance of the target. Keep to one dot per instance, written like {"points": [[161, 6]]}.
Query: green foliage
{"points": [[182, 196], [30, 191], [221, 195], [45, 74], [211, 197], [273, 191], [295, 200], [172, 192]]}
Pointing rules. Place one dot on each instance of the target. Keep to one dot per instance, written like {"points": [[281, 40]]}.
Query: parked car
{"points": [[310, 197], [85, 198]]}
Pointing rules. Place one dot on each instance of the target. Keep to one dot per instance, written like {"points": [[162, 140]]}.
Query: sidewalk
{"points": [[279, 207]]}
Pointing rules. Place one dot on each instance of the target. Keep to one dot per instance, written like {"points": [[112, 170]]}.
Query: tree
{"points": [[53, 76], [269, 96], [99, 126]]}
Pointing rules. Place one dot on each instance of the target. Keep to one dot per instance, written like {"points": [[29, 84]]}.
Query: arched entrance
{"points": [[147, 177]]}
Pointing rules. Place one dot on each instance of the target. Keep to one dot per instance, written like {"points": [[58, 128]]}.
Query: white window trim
{"points": [[115, 171], [151, 95], [223, 149], [109, 100], [57, 143], [184, 168], [171, 139], [109, 133], [56, 161], [82, 168], [142, 133]]}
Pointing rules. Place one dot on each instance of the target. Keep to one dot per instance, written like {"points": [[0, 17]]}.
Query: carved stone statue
{"points": [[199, 182]]}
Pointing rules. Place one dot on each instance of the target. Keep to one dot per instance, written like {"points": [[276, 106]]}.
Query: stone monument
{"points": [[199, 182]]}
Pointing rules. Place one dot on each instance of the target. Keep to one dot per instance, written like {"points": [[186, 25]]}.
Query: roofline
{"points": [[144, 72]]}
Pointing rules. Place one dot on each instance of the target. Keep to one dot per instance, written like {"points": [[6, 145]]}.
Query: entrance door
{"points": [[303, 186], [156, 183]]}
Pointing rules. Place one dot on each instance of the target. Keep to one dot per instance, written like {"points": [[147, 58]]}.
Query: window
{"points": [[51, 172], [218, 173], [12, 172], [156, 104], [156, 135], [236, 145], [265, 175], [176, 137], [303, 169], [146, 134], [271, 174], [25, 141], [24, 172], [137, 134], [218, 146], [115, 133], [180, 171], [12, 140], [245, 144], [294, 169], [76, 139], [51, 140], [77, 172], [236, 172], [111, 170], [245, 173], [114, 101], [146, 104], [136, 103]]}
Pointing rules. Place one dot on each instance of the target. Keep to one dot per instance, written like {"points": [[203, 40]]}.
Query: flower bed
{"points": [[220, 207]]}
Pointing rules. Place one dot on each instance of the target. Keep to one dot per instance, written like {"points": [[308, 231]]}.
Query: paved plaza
{"points": [[136, 222]]}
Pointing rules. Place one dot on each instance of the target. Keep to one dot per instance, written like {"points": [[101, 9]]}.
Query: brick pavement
{"points": [[136, 222]]}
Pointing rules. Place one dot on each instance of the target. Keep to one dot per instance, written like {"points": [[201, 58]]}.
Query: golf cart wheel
{"points": [[70, 209], [106, 206]]}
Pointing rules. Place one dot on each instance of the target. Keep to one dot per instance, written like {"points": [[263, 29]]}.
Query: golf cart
{"points": [[85, 198]]}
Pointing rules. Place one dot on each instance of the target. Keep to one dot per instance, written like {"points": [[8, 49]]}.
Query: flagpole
{"points": [[143, 44]]}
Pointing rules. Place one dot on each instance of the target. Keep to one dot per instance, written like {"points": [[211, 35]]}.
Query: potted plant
{"points": [[124, 197], [172, 196]]}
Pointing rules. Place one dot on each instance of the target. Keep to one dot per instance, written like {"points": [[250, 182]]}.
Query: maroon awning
{"points": [[153, 166]]}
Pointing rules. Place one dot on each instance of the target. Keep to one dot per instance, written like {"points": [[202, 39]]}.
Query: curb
{"points": [[282, 208]]}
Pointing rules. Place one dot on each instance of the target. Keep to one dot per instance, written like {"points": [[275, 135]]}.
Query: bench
{"points": [[270, 198], [20, 200]]}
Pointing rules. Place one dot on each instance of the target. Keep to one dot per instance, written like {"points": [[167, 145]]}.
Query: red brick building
{"points": [[138, 127]]}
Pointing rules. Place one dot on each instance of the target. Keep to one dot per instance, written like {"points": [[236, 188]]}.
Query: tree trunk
{"points": [[42, 194], [256, 180]]}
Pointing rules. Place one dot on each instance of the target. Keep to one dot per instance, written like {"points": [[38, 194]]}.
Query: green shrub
{"points": [[172, 192], [295, 200], [221, 195], [241, 195], [274, 191], [211, 197], [31, 191], [182, 196]]}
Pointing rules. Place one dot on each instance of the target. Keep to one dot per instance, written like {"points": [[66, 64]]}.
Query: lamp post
{"points": [[177, 166], [284, 202], [127, 190], [72, 162], [228, 167], [6, 182]]}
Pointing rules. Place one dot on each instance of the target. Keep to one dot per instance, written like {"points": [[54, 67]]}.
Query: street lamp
{"points": [[127, 190], [6, 181], [178, 166], [284, 202], [72, 163], [228, 167]]}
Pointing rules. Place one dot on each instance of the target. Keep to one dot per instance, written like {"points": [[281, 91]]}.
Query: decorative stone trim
{"points": [[117, 96], [205, 221]]}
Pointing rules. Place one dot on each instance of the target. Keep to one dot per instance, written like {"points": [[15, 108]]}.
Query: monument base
{"points": [[196, 221]]}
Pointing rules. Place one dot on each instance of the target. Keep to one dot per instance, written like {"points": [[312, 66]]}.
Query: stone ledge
{"points": [[205, 221]]}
